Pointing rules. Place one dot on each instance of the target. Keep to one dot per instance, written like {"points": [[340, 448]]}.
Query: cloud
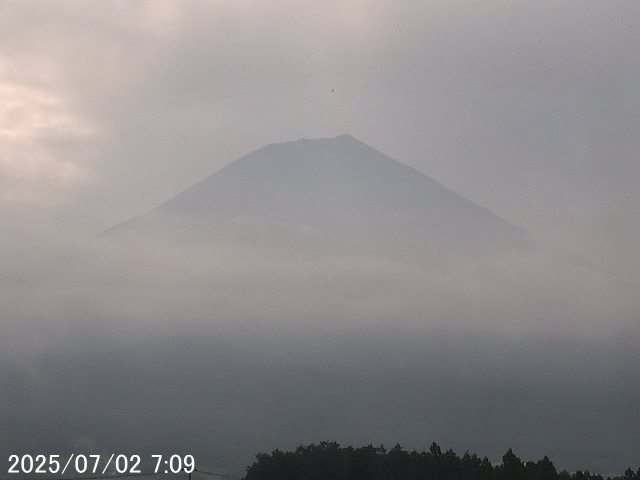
{"points": [[35, 123], [225, 352]]}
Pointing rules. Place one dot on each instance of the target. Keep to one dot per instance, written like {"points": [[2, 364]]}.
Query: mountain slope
{"points": [[335, 191]]}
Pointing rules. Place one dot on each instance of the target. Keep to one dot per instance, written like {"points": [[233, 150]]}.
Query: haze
{"points": [[528, 109]]}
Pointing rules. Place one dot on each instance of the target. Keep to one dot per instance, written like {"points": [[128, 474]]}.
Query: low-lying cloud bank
{"points": [[223, 351]]}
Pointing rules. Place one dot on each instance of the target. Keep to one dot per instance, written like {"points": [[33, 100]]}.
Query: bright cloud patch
{"points": [[33, 125]]}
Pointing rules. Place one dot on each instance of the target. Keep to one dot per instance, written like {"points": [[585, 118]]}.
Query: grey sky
{"points": [[530, 109]]}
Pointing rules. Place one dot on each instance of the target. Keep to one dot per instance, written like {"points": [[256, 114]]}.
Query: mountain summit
{"points": [[337, 191]]}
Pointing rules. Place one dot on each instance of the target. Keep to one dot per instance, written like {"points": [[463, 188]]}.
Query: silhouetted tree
{"points": [[512, 467], [541, 470], [631, 475], [330, 461]]}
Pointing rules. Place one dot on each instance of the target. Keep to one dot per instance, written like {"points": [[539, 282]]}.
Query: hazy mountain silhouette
{"points": [[334, 195]]}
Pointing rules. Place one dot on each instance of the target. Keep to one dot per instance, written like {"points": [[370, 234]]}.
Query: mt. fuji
{"points": [[337, 195]]}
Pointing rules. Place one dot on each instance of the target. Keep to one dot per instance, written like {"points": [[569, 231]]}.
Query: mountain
{"points": [[335, 195]]}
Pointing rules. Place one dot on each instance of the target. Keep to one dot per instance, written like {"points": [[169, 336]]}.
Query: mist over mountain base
{"points": [[223, 352]]}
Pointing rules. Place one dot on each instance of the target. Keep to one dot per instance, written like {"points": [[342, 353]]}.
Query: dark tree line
{"points": [[330, 461]]}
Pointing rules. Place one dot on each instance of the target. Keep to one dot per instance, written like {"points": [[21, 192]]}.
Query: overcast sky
{"points": [[528, 108]]}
